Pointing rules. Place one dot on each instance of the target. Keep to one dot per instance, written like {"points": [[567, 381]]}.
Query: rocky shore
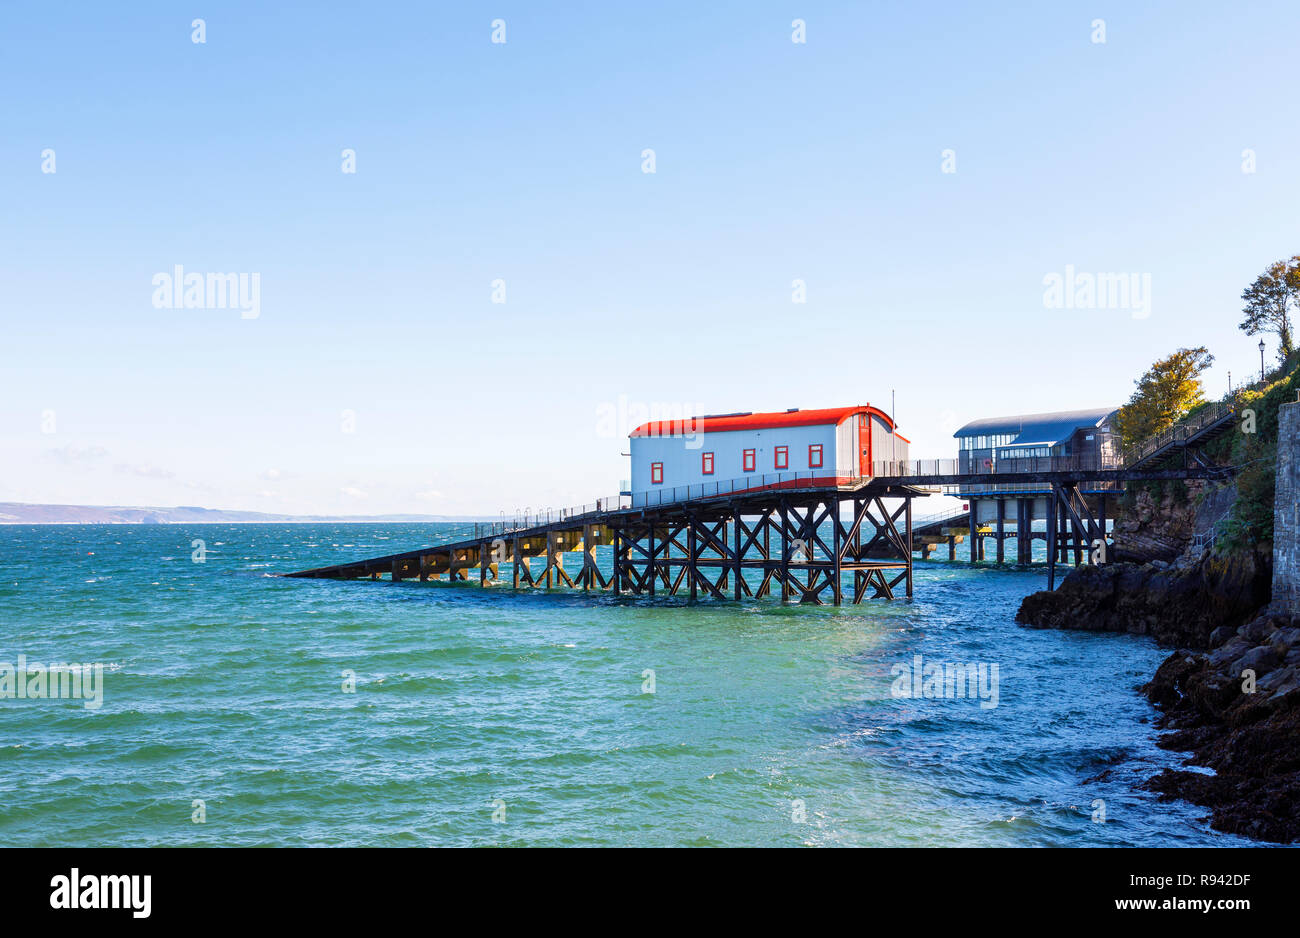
{"points": [[1236, 709], [1179, 604], [1230, 694]]}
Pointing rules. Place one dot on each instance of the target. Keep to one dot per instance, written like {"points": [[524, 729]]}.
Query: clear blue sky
{"points": [[522, 161]]}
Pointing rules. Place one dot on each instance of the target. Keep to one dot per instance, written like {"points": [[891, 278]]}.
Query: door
{"points": [[864, 445]]}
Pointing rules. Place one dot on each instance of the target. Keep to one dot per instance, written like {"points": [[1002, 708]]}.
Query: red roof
{"points": [[784, 418]]}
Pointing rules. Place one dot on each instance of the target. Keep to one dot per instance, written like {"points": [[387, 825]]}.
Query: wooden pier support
{"points": [[817, 548], [1002, 517], [1024, 531], [1072, 526], [817, 545], [791, 540]]}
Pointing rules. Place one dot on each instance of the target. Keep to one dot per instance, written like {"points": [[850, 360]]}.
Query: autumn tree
{"points": [[1169, 389], [1270, 302]]}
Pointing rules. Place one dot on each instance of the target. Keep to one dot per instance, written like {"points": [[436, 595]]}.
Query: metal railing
{"points": [[1206, 539], [1000, 466], [1024, 488], [1178, 433], [812, 478], [930, 520]]}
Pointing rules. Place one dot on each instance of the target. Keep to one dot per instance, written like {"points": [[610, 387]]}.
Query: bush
{"points": [[1251, 522]]}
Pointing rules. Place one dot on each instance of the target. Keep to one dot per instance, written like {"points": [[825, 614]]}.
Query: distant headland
{"points": [[20, 513]]}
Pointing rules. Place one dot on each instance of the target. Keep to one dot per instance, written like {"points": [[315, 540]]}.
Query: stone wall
{"points": [[1286, 524]]}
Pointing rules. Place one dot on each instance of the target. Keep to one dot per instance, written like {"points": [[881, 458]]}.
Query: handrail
{"points": [[1179, 432], [801, 479], [939, 518], [1207, 538]]}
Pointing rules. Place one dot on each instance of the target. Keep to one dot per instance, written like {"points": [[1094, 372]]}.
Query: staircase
{"points": [[1186, 437]]}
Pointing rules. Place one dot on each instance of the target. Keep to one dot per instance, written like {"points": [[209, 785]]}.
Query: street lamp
{"points": [[1261, 361]]}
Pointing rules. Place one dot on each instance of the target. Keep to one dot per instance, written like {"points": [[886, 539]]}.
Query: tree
{"points": [[1169, 389], [1270, 302]]}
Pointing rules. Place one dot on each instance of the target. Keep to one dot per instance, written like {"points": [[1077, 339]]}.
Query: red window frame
{"points": [[656, 473], [781, 457], [814, 448], [749, 460], [706, 464]]}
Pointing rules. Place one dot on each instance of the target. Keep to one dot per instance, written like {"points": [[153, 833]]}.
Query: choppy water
{"points": [[225, 684]]}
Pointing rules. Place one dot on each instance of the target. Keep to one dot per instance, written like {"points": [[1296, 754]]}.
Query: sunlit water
{"points": [[768, 725]]}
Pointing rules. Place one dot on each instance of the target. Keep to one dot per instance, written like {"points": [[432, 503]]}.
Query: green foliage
{"points": [[1272, 301], [1171, 390], [1251, 522], [1168, 390]]}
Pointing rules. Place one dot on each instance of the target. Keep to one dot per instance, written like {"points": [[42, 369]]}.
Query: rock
{"points": [[1167, 687], [1160, 527], [1221, 635], [1259, 629], [1250, 741], [1261, 659], [1230, 652], [1285, 639], [1287, 688], [1176, 606], [1275, 679]]}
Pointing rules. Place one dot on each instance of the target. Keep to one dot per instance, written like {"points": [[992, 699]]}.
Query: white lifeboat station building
{"points": [[720, 453]]}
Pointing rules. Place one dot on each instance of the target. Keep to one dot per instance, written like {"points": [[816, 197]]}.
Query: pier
{"points": [[809, 537]]}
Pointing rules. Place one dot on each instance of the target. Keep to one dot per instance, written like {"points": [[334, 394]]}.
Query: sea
{"points": [[234, 706]]}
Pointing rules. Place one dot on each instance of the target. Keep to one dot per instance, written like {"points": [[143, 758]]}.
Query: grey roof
{"points": [[1038, 428]]}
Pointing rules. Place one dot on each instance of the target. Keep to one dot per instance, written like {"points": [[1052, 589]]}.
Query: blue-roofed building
{"points": [[1084, 436], [1065, 440]]}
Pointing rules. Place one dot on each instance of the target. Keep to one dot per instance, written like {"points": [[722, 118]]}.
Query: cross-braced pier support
{"points": [[801, 549], [820, 546], [794, 539], [1073, 527]]}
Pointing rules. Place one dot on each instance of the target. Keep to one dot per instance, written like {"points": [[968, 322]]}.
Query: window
{"points": [[987, 441], [814, 456], [781, 457], [749, 460], [656, 473], [706, 463]]}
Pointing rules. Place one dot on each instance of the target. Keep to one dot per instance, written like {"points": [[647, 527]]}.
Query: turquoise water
{"points": [[768, 726]]}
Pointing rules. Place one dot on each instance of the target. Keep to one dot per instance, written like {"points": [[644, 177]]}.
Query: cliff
{"points": [[1156, 524], [1169, 589], [1159, 522]]}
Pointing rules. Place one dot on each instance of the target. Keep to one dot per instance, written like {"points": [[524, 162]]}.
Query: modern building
{"points": [[744, 451], [1062, 441], [1084, 437]]}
